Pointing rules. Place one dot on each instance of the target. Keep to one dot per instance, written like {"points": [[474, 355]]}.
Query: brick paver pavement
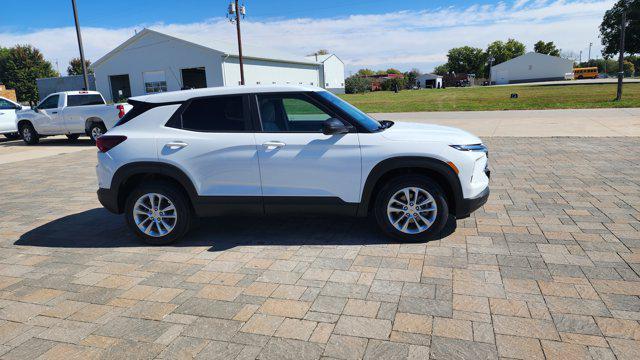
{"points": [[548, 269]]}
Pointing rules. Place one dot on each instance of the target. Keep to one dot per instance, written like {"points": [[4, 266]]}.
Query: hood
{"points": [[402, 131]]}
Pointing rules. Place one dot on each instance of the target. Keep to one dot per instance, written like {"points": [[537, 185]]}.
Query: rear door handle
{"points": [[271, 145], [177, 144], [54, 112]]}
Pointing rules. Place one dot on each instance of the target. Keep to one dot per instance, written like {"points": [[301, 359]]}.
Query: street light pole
{"points": [[590, 45], [623, 25], [84, 64]]}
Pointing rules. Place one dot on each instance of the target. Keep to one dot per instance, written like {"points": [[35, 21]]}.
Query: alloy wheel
{"points": [[155, 214], [412, 210]]}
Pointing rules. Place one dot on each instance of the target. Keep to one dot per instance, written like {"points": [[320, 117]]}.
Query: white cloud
{"points": [[402, 39]]}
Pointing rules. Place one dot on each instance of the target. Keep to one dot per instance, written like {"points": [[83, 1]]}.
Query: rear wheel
{"points": [[158, 213], [29, 134], [96, 130], [412, 209], [73, 137]]}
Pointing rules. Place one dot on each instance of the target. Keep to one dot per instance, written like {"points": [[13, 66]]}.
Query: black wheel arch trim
{"points": [[129, 170], [413, 162]]}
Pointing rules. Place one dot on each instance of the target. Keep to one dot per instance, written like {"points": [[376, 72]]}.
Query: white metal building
{"points": [[531, 67], [152, 62], [429, 81], [332, 72]]}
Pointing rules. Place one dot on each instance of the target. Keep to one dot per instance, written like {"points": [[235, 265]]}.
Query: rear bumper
{"points": [[470, 205], [109, 199]]}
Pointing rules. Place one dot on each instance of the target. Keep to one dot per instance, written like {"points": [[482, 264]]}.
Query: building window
{"points": [[154, 82], [326, 84]]}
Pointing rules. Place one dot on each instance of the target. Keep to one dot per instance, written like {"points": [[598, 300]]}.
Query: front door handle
{"points": [[54, 112], [271, 145], [177, 145]]}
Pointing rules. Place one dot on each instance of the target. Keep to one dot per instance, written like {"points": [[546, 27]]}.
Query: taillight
{"points": [[120, 111], [108, 142]]}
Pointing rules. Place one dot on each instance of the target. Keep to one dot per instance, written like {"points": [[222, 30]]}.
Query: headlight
{"points": [[473, 147]]}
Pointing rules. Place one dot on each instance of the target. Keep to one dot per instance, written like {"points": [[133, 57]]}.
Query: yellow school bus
{"points": [[585, 73]]}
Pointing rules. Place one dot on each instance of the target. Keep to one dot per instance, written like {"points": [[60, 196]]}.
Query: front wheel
{"points": [[96, 130], [158, 213], [412, 208], [29, 134]]}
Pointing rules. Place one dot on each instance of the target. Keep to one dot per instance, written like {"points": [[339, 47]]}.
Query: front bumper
{"points": [[470, 205], [109, 199]]}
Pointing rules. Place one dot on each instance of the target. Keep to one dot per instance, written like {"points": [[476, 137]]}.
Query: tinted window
{"points": [[6, 105], [222, 113], [84, 100], [290, 113], [49, 103]]}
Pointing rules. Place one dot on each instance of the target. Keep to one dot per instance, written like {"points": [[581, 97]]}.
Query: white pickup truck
{"points": [[71, 113]]}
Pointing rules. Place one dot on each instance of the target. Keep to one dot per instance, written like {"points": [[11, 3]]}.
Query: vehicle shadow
{"points": [[97, 228], [57, 141]]}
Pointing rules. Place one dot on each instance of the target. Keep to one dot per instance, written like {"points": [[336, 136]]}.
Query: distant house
{"points": [[377, 79], [152, 62], [429, 81], [531, 67], [8, 94]]}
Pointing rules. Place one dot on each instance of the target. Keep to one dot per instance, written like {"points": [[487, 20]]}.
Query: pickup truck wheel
{"points": [[96, 130], [29, 134], [412, 209], [158, 213], [12, 136], [72, 137]]}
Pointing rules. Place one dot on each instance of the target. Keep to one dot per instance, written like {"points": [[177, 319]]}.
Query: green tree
{"points": [[467, 60], [320, 52], [411, 77], [392, 84], [357, 84], [393, 71], [381, 72], [441, 70], [365, 72], [610, 28], [75, 67], [22, 67], [547, 48], [4, 54], [503, 51]]}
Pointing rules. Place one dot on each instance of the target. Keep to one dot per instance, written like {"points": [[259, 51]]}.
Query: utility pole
{"points": [[234, 8], [581, 57], [623, 25], [590, 45], [84, 64], [491, 60]]}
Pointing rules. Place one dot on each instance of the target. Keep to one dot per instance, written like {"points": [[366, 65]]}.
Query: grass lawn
{"points": [[497, 98]]}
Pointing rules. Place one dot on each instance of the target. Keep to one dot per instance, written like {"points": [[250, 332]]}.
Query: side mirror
{"points": [[18, 107], [334, 126]]}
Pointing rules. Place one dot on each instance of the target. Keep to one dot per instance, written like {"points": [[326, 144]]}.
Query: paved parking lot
{"points": [[548, 269]]}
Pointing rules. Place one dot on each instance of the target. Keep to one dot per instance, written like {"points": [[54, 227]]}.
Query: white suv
{"points": [[283, 149]]}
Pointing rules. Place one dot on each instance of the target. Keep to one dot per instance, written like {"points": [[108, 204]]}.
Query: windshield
{"points": [[365, 120]]}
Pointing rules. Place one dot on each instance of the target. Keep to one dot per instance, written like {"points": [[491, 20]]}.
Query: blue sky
{"points": [[123, 13], [376, 34]]}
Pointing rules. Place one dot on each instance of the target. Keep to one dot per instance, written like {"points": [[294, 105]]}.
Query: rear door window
{"points": [[217, 114], [84, 100]]}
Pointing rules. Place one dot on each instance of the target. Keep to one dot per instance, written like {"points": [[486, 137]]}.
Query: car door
{"points": [[299, 165], [48, 119], [212, 140], [7, 116]]}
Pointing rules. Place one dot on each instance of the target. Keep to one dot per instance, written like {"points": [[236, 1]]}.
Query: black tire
{"points": [[12, 136], [396, 185], [73, 137], [184, 216], [29, 134], [96, 127]]}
